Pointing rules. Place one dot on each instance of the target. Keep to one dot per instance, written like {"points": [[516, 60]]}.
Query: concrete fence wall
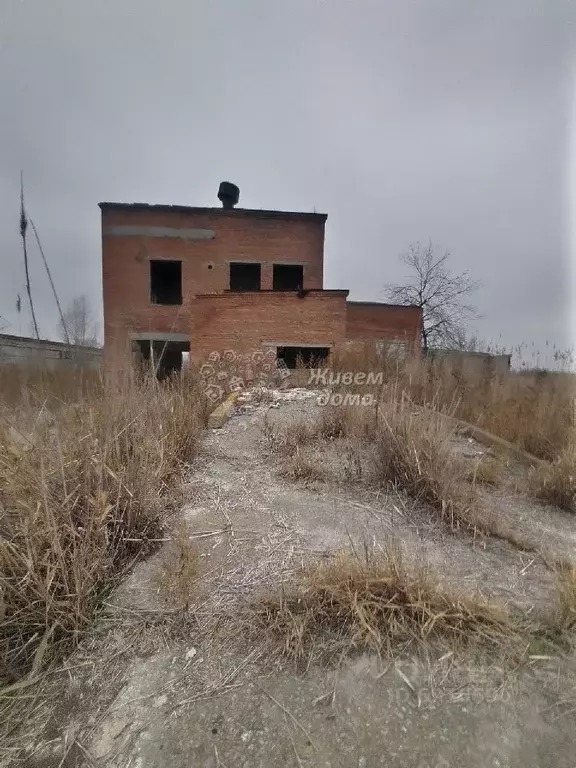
{"points": [[19, 350], [471, 363]]}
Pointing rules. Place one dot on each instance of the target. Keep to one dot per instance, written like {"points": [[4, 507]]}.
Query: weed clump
{"points": [[555, 482], [376, 605]]}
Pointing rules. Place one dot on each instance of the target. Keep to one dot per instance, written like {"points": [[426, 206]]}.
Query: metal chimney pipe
{"points": [[228, 194]]}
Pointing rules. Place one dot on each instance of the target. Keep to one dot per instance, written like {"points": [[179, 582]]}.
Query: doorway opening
{"points": [[302, 357], [167, 357]]}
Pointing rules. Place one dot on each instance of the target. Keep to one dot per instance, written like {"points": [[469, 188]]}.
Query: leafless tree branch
{"points": [[440, 294], [77, 325]]}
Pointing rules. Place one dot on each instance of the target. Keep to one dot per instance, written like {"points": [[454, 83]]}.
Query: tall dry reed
{"points": [[83, 481], [534, 410]]}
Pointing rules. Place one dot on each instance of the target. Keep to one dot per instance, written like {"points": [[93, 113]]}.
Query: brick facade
{"points": [[244, 322], [367, 321], [212, 317], [239, 236]]}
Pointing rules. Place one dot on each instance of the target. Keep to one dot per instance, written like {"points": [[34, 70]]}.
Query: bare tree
{"points": [[78, 324], [441, 295], [462, 341]]}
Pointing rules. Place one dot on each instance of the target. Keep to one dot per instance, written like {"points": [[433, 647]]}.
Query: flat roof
{"points": [[382, 304], [307, 291], [256, 213]]}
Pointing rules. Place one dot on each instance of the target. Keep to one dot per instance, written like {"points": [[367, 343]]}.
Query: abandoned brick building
{"points": [[200, 280]]}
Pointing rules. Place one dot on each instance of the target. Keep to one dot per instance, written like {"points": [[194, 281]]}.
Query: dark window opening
{"points": [[244, 277], [166, 282], [287, 277], [302, 357], [166, 357]]}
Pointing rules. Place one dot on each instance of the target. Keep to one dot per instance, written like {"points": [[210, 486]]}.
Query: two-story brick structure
{"points": [[191, 279]]}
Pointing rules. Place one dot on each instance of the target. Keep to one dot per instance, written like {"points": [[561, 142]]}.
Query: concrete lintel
{"points": [[182, 234], [154, 336], [313, 345], [290, 263]]}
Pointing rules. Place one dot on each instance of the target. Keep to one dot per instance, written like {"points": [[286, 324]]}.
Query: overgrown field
{"points": [[86, 468], [415, 412], [409, 441], [90, 469], [533, 409]]}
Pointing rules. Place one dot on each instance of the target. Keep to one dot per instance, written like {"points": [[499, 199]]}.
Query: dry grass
{"points": [[377, 604], [486, 471], [415, 455], [368, 356], [555, 482], [532, 410], [564, 618], [179, 571], [299, 466], [333, 422], [30, 386], [293, 443], [407, 448], [287, 439], [81, 492], [361, 422]]}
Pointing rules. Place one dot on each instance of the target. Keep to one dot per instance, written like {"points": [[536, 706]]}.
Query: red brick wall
{"points": [[243, 321], [238, 236], [383, 321]]}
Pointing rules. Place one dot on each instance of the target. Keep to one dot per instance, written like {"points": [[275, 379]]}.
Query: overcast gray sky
{"points": [[402, 120]]}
